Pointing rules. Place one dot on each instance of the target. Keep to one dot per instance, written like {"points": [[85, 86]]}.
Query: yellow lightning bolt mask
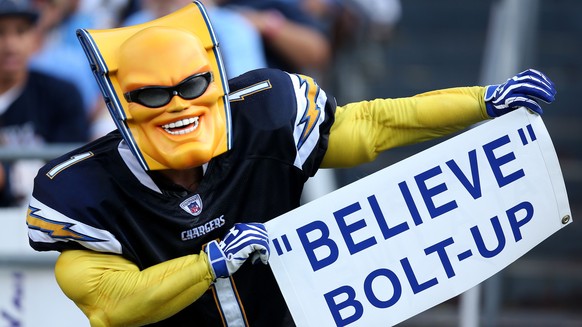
{"points": [[165, 54]]}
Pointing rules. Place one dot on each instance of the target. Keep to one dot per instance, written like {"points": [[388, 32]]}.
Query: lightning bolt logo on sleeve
{"points": [[55, 229], [46, 225], [311, 111], [311, 100]]}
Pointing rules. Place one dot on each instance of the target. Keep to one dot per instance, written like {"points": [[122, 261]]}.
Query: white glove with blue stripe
{"points": [[240, 243], [525, 89]]}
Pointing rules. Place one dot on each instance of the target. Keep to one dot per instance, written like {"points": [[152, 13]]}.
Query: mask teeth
{"points": [[180, 123]]}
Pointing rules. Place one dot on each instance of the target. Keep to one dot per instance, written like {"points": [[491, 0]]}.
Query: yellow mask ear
{"points": [[102, 50]]}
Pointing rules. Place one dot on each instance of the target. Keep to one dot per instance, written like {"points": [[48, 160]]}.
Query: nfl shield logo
{"points": [[192, 205]]}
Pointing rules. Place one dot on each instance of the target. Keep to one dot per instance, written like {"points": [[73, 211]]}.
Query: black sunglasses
{"points": [[158, 96]]}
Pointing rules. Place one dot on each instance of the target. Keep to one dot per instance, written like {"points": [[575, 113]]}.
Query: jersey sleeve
{"points": [[285, 116], [314, 117], [364, 129], [66, 207]]}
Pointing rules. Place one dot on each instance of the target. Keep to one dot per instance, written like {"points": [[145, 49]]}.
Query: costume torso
{"points": [[98, 197]]}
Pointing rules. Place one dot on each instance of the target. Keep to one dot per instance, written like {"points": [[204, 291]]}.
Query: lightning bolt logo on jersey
{"points": [[108, 202], [48, 225], [311, 101], [311, 104], [56, 229]]}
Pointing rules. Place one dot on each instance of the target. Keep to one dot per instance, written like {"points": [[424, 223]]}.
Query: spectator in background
{"points": [[35, 108], [240, 43], [294, 40], [61, 55], [362, 34], [106, 13]]}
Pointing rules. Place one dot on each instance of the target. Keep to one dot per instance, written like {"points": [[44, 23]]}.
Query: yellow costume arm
{"points": [[112, 291], [364, 129]]}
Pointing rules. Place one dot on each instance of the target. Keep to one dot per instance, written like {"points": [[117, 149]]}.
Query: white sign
{"points": [[422, 231]]}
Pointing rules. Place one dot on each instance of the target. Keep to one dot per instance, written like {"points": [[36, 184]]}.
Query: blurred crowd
{"points": [[48, 93]]}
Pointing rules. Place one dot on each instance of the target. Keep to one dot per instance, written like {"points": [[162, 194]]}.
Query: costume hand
{"points": [[523, 90], [242, 241]]}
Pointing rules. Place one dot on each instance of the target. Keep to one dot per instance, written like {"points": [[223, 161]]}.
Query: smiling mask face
{"points": [[184, 132], [164, 85]]}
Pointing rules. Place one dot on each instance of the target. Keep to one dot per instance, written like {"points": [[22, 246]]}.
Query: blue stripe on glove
{"points": [[217, 260], [240, 243], [525, 89]]}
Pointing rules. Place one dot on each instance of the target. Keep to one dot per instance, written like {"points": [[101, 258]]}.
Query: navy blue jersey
{"points": [[99, 198], [49, 110]]}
